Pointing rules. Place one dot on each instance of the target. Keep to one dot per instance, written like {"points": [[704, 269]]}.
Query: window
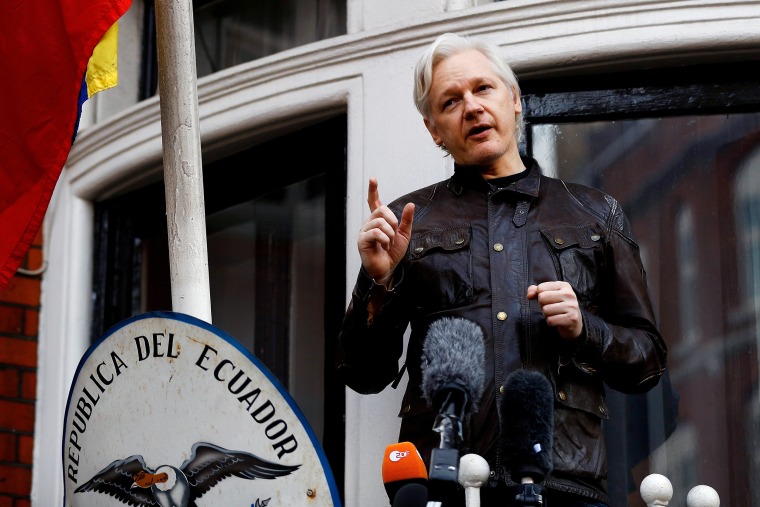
{"points": [[276, 250], [231, 32], [677, 148]]}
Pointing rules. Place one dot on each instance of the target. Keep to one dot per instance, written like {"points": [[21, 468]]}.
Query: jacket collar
{"points": [[469, 177]]}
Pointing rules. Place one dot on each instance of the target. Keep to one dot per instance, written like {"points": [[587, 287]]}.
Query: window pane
{"points": [[690, 187], [267, 271], [229, 32]]}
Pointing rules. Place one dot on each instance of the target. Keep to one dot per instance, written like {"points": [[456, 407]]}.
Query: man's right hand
{"points": [[382, 239]]}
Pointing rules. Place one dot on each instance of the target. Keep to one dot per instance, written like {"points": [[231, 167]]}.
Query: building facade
{"points": [[301, 102]]}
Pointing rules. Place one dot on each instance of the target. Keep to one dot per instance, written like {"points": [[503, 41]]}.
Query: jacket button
{"points": [[595, 237], [501, 316], [562, 395], [498, 247], [459, 241], [502, 389], [492, 473], [418, 249], [406, 408], [559, 241]]}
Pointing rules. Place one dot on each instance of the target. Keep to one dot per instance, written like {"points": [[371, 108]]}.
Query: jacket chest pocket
{"points": [[440, 262], [578, 255]]}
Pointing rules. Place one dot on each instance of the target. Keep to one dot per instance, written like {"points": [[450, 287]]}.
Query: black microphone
{"points": [[453, 378], [527, 409], [411, 495]]}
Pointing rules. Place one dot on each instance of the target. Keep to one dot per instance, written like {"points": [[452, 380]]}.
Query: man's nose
{"points": [[471, 105]]}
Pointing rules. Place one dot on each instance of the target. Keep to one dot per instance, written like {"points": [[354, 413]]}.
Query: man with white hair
{"points": [[549, 270]]}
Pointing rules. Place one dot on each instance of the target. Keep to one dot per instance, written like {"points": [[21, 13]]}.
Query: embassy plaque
{"points": [[168, 410]]}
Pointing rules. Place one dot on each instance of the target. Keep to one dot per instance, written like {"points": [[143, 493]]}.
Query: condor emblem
{"points": [[166, 410]]}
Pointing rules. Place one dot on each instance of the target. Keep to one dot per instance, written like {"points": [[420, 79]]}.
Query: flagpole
{"points": [[183, 172]]}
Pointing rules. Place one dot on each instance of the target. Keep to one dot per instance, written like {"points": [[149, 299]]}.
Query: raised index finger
{"points": [[373, 196]]}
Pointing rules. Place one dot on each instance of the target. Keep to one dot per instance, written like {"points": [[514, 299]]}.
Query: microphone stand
{"points": [[443, 476], [529, 493]]}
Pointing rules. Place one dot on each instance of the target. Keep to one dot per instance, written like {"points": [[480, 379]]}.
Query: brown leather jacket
{"points": [[474, 251]]}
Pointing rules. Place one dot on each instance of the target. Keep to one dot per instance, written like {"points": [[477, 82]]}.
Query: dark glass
{"points": [[690, 186], [230, 32]]}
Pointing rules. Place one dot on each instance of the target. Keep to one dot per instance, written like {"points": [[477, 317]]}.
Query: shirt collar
{"points": [[469, 177]]}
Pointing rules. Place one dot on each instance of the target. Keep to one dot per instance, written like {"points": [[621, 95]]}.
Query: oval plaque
{"points": [[168, 410]]}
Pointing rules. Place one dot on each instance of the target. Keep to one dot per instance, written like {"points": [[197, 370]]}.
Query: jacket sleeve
{"points": [[369, 346], [622, 341]]}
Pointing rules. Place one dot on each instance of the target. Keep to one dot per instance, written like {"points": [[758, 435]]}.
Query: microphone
{"points": [[527, 409], [411, 495], [402, 466], [473, 473], [453, 379]]}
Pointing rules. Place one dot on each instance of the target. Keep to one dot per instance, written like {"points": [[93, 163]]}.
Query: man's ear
{"points": [[433, 131], [517, 102]]}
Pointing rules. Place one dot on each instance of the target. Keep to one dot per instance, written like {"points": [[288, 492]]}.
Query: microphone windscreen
{"points": [[527, 409], [411, 495], [453, 352], [402, 465]]}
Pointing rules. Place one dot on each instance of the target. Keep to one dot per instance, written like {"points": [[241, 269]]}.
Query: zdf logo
{"points": [[397, 455]]}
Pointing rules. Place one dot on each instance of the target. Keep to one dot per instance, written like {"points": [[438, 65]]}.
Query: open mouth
{"points": [[479, 129]]}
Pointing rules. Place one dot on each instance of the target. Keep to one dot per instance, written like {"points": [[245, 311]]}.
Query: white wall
{"points": [[368, 74]]}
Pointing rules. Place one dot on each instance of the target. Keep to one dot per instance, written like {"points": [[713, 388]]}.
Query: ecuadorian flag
{"points": [[47, 48]]}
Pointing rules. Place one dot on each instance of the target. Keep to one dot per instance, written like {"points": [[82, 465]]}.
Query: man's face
{"points": [[472, 112]]}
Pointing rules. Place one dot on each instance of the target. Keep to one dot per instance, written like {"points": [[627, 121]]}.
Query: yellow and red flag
{"points": [[45, 48]]}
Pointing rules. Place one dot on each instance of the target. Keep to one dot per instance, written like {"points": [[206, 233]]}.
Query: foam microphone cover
{"points": [[453, 353], [402, 465], [527, 409], [411, 495]]}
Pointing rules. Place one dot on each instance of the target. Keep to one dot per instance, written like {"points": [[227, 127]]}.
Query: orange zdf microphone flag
{"points": [[402, 465], [45, 48]]}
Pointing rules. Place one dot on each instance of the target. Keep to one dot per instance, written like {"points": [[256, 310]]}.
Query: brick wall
{"points": [[19, 312]]}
